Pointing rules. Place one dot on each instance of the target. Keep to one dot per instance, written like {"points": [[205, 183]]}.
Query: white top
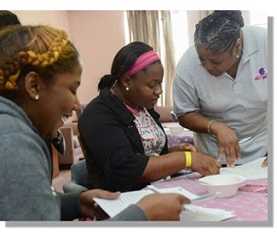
{"points": [[152, 136], [239, 103]]}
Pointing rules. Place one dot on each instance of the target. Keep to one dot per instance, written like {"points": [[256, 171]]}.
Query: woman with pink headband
{"points": [[124, 141]]}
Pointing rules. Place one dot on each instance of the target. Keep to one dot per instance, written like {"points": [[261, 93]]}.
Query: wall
{"points": [[53, 18], [98, 35]]}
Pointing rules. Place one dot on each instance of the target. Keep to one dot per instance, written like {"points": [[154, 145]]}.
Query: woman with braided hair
{"points": [[8, 18], [39, 77], [220, 90]]}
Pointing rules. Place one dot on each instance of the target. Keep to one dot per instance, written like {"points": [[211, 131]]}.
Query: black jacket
{"points": [[112, 144]]}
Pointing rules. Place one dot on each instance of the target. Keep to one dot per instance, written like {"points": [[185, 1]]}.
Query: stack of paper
{"points": [[113, 207], [197, 213], [251, 170]]}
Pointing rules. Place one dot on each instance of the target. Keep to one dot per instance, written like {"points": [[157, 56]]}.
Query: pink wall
{"points": [[97, 35], [53, 18]]}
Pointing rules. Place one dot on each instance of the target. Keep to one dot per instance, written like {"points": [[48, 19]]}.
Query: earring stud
{"points": [[36, 97], [127, 88]]}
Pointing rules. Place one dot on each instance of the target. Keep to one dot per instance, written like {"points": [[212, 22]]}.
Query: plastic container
{"points": [[223, 185]]}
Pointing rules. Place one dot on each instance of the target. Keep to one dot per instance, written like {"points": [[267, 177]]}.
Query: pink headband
{"points": [[143, 61]]}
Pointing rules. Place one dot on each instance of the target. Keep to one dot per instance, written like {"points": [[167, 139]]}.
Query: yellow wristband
{"points": [[188, 159]]}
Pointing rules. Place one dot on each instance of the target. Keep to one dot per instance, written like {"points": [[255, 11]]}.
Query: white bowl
{"points": [[223, 185]]}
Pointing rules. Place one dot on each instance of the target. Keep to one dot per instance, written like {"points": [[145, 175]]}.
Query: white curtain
{"points": [[154, 28], [169, 59], [193, 18], [144, 26]]}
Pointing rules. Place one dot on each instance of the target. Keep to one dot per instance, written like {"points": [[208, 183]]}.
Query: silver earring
{"points": [[36, 97], [237, 56], [127, 88]]}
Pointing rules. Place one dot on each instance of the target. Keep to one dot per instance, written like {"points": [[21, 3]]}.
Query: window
{"points": [[180, 33], [126, 28], [258, 18]]}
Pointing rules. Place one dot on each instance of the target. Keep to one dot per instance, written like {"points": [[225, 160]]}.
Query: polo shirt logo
{"points": [[261, 74]]}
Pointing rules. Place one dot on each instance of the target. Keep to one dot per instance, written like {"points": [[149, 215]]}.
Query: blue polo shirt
{"points": [[240, 103]]}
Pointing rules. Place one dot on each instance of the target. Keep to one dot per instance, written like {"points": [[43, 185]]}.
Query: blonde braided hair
{"points": [[37, 46]]}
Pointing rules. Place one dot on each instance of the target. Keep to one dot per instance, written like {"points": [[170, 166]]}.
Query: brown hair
{"points": [[8, 18], [42, 49]]}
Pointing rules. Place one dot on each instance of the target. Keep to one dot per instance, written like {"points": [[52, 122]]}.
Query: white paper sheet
{"points": [[113, 207], [179, 190], [251, 170], [196, 213]]}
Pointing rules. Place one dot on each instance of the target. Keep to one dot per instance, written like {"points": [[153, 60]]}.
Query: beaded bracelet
{"points": [[210, 124]]}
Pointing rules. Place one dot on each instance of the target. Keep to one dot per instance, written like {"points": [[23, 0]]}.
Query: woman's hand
{"points": [[228, 142], [265, 163], [88, 205], [162, 207], [204, 164], [183, 147]]}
